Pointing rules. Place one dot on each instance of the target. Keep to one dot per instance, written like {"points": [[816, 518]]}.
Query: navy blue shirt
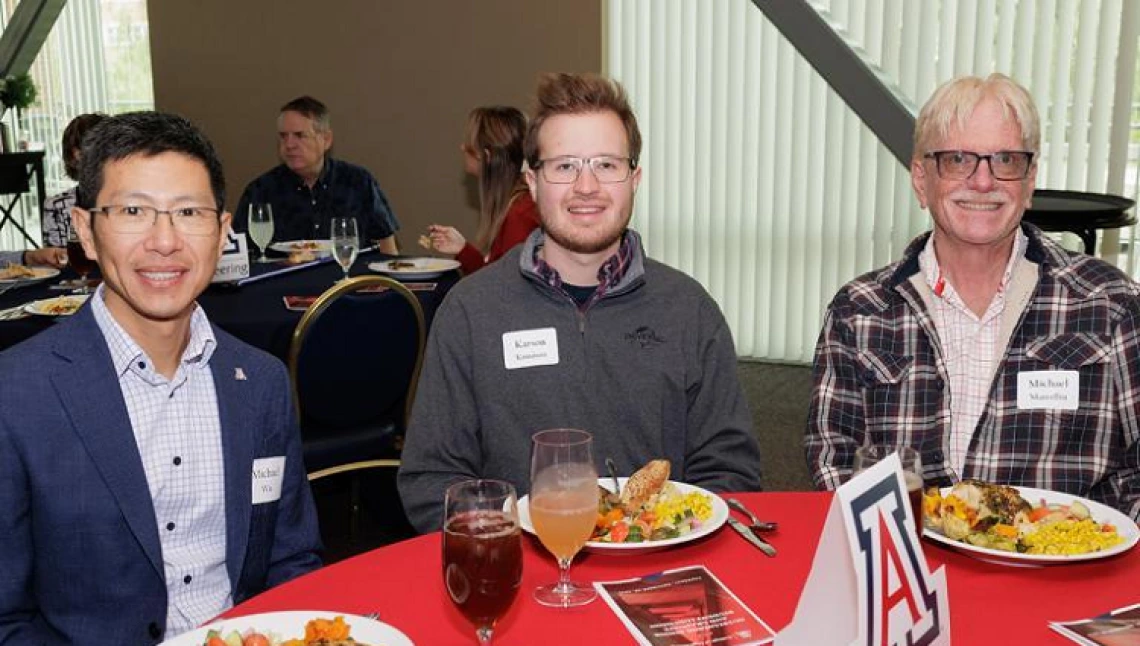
{"points": [[301, 213]]}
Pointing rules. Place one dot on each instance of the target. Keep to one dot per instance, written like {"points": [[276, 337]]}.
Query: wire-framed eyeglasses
{"points": [[1005, 165], [132, 218], [606, 169]]}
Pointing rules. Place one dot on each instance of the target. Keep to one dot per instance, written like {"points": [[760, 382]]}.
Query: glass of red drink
{"points": [[911, 461], [482, 551], [78, 260]]}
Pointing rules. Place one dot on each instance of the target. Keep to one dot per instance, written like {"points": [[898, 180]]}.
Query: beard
{"points": [[586, 241]]}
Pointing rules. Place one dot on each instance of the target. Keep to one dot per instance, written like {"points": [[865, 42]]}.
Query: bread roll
{"points": [[644, 484]]}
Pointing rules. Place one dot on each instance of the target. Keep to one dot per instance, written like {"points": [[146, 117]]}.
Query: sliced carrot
{"points": [[1008, 531]]}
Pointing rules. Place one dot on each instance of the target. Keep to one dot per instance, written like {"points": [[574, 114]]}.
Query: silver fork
{"points": [[757, 524]]}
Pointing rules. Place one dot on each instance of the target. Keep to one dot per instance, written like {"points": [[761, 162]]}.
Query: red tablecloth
{"points": [[989, 604]]}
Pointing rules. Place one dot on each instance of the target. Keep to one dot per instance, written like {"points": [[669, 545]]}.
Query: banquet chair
{"points": [[354, 362]]}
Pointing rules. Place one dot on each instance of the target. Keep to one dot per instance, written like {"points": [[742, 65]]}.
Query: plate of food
{"points": [[414, 268], [294, 628], [1024, 526], [650, 512], [315, 247], [21, 274], [58, 306]]}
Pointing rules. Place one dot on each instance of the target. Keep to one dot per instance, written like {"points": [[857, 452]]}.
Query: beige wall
{"points": [[398, 76]]}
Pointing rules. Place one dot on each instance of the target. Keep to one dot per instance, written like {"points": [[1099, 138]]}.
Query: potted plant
{"points": [[18, 92]]}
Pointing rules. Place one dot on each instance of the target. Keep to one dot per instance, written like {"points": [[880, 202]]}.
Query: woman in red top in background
{"points": [[493, 152]]}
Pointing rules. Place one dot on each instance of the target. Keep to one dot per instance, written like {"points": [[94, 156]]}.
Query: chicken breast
{"points": [[993, 502]]}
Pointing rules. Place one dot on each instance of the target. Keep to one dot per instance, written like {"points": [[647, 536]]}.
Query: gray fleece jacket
{"points": [[649, 369]]}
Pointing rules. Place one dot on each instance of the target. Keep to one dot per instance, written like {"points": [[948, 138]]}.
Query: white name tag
{"points": [[529, 348], [267, 476], [1053, 389]]}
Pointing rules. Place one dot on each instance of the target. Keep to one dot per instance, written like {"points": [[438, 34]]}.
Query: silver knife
{"points": [[751, 537]]}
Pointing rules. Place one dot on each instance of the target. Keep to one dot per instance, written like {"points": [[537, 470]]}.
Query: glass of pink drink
{"points": [[563, 507]]}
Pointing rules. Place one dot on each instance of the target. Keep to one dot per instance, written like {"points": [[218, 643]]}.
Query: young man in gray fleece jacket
{"points": [[576, 328]]}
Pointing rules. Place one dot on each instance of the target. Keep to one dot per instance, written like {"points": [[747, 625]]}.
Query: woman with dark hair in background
{"points": [[56, 222], [493, 152]]}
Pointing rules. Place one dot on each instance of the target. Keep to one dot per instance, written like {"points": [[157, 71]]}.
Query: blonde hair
{"points": [[495, 137], [952, 104]]}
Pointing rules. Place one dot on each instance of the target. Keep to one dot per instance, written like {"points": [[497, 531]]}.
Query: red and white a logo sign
{"points": [[869, 584], [898, 604]]}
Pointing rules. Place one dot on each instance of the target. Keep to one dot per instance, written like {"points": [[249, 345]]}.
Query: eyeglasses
{"points": [[565, 170], [130, 218], [1005, 165]]}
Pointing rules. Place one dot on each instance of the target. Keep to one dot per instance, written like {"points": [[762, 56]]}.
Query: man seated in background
{"points": [[310, 188], [150, 464], [576, 328], [995, 352], [56, 221]]}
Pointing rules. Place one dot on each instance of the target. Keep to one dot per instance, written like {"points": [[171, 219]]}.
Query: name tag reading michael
{"points": [[1052, 389], [267, 476], [529, 348]]}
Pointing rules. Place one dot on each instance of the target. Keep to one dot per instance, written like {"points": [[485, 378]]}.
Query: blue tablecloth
{"points": [[254, 313]]}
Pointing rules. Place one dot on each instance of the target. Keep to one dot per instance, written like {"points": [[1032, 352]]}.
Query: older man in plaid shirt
{"points": [[996, 353]]}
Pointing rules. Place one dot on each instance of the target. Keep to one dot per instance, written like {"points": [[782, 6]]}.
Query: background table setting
{"points": [[254, 312]]}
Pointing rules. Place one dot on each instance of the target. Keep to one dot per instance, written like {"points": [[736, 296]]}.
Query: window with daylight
{"points": [[96, 59], [760, 182]]}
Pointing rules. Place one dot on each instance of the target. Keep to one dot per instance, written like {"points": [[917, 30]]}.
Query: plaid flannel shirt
{"points": [[879, 377]]}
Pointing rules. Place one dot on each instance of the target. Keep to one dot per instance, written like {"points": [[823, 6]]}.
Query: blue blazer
{"points": [[80, 557]]}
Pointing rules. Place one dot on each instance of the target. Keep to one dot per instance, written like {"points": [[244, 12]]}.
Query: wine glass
{"points": [[78, 260], [563, 507], [482, 551], [345, 242], [911, 460], [261, 227]]}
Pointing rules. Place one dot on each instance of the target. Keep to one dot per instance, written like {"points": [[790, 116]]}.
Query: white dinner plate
{"points": [[291, 625], [414, 268], [318, 247], [1125, 527], [719, 516], [39, 274], [58, 306]]}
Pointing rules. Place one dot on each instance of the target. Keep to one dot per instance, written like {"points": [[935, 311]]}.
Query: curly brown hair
{"points": [[73, 141]]}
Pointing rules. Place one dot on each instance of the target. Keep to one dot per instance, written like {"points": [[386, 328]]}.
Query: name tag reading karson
{"points": [[1052, 389], [529, 348]]}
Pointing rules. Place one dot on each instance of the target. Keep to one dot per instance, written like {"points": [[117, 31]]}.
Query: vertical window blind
{"points": [[761, 183]]}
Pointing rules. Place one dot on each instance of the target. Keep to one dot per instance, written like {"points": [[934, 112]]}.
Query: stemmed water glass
{"points": [[345, 242], [482, 551], [563, 507], [261, 227]]}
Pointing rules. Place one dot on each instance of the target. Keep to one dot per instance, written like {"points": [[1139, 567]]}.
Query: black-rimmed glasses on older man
{"points": [[130, 218], [1005, 165]]}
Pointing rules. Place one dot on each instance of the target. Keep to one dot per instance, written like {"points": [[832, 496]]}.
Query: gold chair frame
{"points": [[323, 302]]}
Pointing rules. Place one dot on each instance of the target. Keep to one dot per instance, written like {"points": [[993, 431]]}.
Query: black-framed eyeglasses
{"points": [[132, 218], [1005, 165], [606, 169]]}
